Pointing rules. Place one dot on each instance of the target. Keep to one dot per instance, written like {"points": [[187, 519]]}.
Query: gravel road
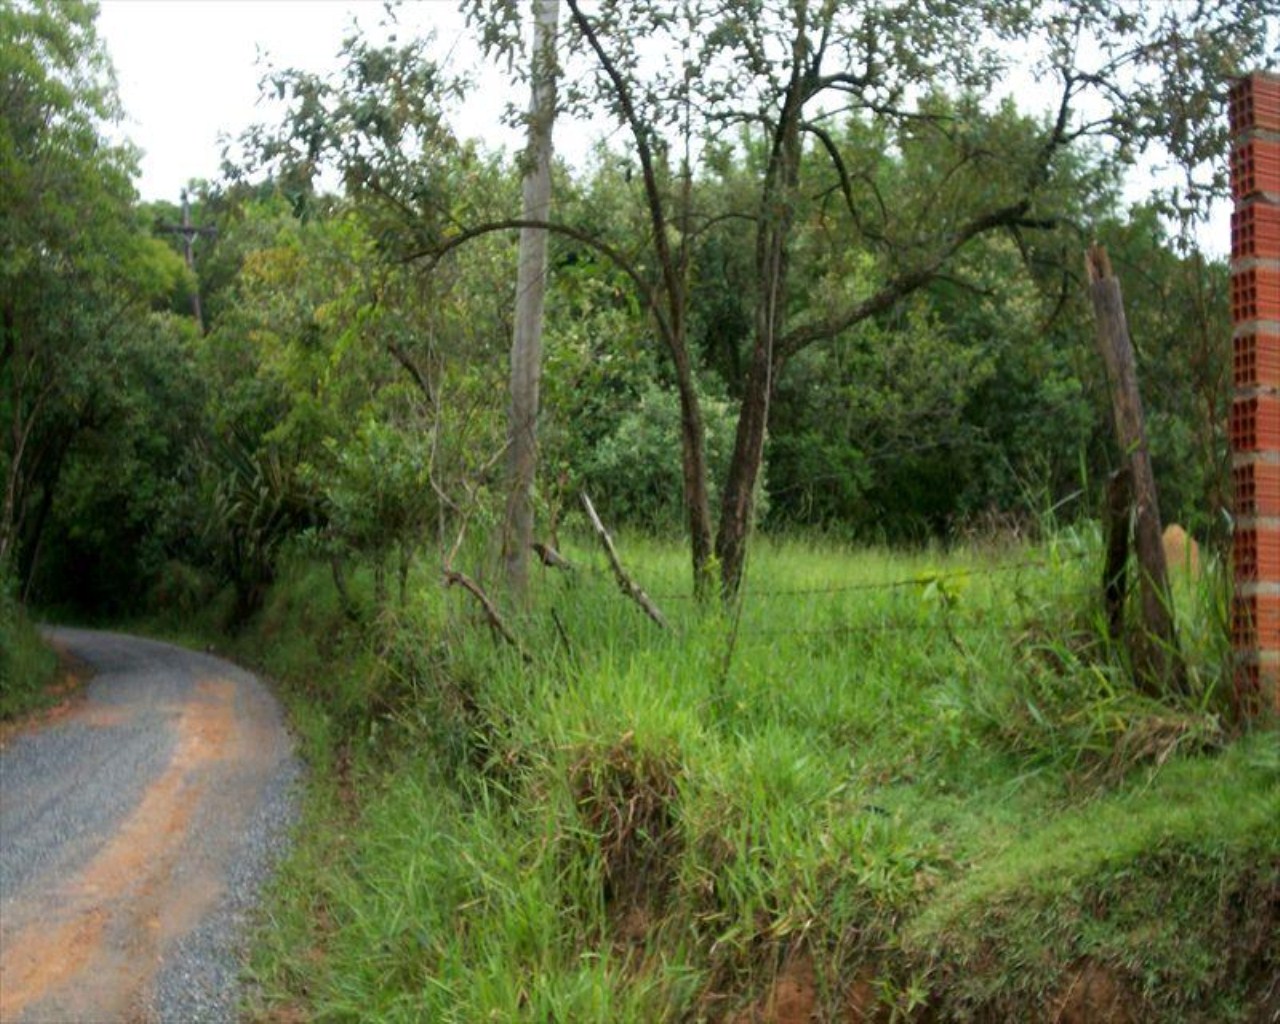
{"points": [[137, 826]]}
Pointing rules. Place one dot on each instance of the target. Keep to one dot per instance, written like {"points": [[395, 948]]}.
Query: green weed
{"points": [[26, 663]]}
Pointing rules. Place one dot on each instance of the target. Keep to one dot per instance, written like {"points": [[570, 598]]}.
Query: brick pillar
{"points": [[1255, 412]]}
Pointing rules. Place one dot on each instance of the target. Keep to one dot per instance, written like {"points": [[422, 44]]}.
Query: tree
{"points": [[803, 92], [77, 272], [1153, 70], [526, 346]]}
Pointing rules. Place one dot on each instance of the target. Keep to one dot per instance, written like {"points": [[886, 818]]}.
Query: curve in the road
{"points": [[135, 833]]}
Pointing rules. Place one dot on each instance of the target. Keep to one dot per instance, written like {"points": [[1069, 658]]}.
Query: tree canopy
{"points": [[829, 258]]}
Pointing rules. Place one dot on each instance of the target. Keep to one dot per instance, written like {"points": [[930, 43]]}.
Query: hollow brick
{"points": [[1255, 424], [1255, 231], [1256, 553], [1255, 360], [1254, 102], [1255, 168], [1255, 294]]}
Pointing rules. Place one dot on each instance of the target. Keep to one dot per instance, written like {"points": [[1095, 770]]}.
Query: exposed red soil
{"points": [[792, 999], [1093, 995]]}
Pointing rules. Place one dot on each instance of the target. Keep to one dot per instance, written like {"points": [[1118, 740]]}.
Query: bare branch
{"points": [[414, 371], [625, 583], [837, 161], [644, 149], [454, 578]]}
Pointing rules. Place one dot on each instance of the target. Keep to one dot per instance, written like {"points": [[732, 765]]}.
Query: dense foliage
{"points": [[348, 393]]}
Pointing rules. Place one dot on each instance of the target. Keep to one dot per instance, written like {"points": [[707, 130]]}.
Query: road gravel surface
{"points": [[137, 827]]}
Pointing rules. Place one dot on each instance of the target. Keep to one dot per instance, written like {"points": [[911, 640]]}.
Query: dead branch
{"points": [[625, 583], [550, 557], [454, 578]]}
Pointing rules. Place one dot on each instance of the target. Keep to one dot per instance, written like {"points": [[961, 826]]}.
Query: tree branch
{"points": [[454, 578], [901, 286], [414, 371], [625, 583], [644, 150], [437, 253]]}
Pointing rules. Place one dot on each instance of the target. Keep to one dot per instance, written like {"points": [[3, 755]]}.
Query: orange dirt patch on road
{"points": [[128, 882], [28, 971]]}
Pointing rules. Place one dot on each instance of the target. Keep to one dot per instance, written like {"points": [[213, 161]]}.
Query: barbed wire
{"points": [[944, 621], [922, 579], [935, 626]]}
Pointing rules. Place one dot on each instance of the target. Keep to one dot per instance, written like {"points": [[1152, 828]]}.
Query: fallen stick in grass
{"points": [[625, 582], [550, 557], [452, 577]]}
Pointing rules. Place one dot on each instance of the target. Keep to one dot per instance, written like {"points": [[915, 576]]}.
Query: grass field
{"points": [[886, 787]]}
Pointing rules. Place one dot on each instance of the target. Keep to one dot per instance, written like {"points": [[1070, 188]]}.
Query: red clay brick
{"points": [[1255, 360], [1255, 168], [1256, 554], [1255, 231], [1255, 424], [1255, 622], [1255, 294], [1257, 689], [1254, 102], [1256, 486]]}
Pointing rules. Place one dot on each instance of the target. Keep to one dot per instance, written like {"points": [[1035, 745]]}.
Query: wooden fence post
{"points": [[1156, 659], [1115, 574]]}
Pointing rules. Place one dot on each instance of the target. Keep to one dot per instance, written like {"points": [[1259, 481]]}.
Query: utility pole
{"points": [[189, 232]]}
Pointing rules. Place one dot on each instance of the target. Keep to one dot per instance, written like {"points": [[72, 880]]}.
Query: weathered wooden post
{"points": [[1115, 573], [1254, 112], [1157, 662]]}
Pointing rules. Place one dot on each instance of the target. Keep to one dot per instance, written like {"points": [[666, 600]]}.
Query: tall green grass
{"points": [[26, 662], [924, 773]]}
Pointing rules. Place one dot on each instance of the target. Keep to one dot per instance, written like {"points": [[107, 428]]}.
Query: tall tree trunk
{"points": [[669, 313], [693, 464], [773, 235], [11, 506], [737, 504], [526, 346], [29, 548]]}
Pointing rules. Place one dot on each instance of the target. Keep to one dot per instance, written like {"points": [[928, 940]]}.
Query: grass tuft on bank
{"points": [[26, 662]]}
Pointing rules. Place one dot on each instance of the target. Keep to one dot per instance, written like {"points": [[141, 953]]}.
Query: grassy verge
{"points": [[26, 663], [889, 786]]}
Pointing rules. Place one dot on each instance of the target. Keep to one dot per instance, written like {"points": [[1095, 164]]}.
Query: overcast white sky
{"points": [[188, 70], [188, 74]]}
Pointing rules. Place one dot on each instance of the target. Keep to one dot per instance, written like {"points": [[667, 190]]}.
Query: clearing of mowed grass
{"points": [[884, 786]]}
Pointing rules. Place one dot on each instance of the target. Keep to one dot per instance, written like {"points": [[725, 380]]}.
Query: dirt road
{"points": [[136, 828]]}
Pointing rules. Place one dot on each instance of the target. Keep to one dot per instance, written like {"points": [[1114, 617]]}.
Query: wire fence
{"points": [[943, 621], [921, 579]]}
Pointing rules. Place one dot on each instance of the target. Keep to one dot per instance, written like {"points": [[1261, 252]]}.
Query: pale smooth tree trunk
{"points": [[526, 346]]}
